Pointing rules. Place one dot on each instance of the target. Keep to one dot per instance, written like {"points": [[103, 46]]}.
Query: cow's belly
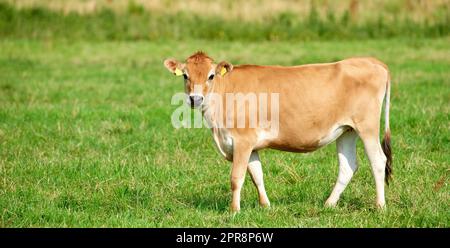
{"points": [[307, 142]]}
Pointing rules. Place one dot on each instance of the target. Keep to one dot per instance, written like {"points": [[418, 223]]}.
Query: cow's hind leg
{"points": [[377, 160], [256, 173], [346, 150]]}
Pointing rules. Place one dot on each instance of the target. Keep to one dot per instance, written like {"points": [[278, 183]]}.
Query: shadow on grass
{"points": [[306, 200], [219, 202], [209, 202]]}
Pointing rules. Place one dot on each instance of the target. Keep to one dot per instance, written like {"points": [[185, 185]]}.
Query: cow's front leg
{"points": [[241, 155], [255, 171]]}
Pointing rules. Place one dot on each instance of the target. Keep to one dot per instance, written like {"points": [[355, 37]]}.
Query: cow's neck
{"points": [[221, 136]]}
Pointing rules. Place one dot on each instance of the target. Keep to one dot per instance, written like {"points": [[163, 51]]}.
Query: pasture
{"points": [[86, 140]]}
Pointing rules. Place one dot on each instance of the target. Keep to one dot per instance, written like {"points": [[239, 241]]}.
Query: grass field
{"points": [[303, 21], [86, 140]]}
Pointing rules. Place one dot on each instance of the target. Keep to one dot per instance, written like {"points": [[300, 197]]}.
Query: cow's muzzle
{"points": [[195, 100]]}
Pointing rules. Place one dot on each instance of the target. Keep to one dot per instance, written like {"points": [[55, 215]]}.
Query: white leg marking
{"points": [[346, 149], [378, 163], [255, 170]]}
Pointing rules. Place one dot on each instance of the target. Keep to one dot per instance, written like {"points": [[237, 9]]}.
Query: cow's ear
{"points": [[174, 66], [223, 68]]}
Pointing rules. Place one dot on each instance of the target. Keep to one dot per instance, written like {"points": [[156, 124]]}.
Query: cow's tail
{"points": [[386, 144]]}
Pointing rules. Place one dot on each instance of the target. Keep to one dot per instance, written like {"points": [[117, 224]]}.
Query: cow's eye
{"points": [[185, 76], [211, 77]]}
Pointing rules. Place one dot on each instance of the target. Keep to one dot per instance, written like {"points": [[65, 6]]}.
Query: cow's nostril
{"points": [[196, 100]]}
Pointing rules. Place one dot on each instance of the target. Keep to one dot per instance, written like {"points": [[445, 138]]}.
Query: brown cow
{"points": [[316, 104]]}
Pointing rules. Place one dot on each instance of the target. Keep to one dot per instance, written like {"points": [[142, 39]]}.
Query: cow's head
{"points": [[199, 73]]}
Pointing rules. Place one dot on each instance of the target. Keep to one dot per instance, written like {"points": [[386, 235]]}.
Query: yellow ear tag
{"points": [[223, 71], [178, 72]]}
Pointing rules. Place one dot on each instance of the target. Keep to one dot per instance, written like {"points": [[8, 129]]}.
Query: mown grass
{"points": [[86, 140]]}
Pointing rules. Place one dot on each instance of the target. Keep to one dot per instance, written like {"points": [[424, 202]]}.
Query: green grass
{"points": [[86, 140], [137, 24]]}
